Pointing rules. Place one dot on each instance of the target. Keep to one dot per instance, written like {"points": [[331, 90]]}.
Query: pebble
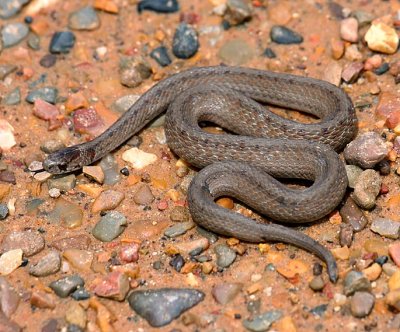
{"points": [[85, 18], [48, 94], [75, 315], [10, 261], [363, 17], [114, 286], [52, 146], [88, 121], [80, 241], [143, 195], [67, 214], [31, 242], [192, 248], [47, 265], [349, 30], [373, 272], [107, 200], [353, 215], [317, 283], [62, 42], [282, 35], [9, 298], [236, 52], [42, 300], [13, 97], [226, 292], [7, 139], [129, 253], [6, 69], [9, 8], [177, 262], [356, 281], [352, 72], [382, 38], [79, 259], [8, 177], [3, 211], [133, 71], [13, 33], [94, 172], [179, 229], [269, 53], [159, 6], [65, 286], [160, 306], [393, 299], [63, 183], [179, 214], [263, 321], [353, 172], [33, 41], [138, 159], [225, 255], [8, 325], [237, 12], [80, 294], [185, 42], [376, 246], [48, 60], [160, 54], [211, 237], [373, 62], [394, 252], [386, 227], [346, 235], [110, 226], [367, 189], [361, 304], [337, 48], [121, 105], [333, 73], [319, 310]]}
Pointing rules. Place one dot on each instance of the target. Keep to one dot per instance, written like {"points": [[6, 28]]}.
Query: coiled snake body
{"points": [[244, 165]]}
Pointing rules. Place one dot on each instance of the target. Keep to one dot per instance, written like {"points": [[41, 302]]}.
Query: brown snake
{"points": [[246, 165]]}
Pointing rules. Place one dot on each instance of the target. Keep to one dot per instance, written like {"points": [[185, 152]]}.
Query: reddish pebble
{"points": [[165, 156], [180, 203], [384, 189], [44, 110], [394, 252], [162, 205], [393, 120], [373, 62], [129, 253], [328, 291], [189, 18], [115, 286], [87, 121]]}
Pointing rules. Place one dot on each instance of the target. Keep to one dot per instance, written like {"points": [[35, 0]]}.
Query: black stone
{"points": [[80, 294], [177, 262], [124, 171], [185, 43], [62, 42], [160, 54], [382, 69], [269, 53], [317, 269], [65, 286], [160, 306], [28, 19], [282, 35], [381, 260], [3, 211], [49, 60], [383, 167], [158, 6]]}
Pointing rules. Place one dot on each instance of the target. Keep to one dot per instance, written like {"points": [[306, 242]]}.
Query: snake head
{"points": [[66, 160]]}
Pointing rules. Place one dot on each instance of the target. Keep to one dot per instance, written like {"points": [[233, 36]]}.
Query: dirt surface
{"points": [[273, 276]]}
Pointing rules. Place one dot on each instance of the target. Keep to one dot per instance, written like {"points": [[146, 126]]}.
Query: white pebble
{"points": [[10, 261], [54, 192], [7, 139], [138, 158]]}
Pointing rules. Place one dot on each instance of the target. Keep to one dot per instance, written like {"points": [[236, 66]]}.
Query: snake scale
{"points": [[246, 163]]}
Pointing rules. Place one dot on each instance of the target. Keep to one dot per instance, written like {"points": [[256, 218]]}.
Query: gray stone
{"points": [[225, 255], [121, 105], [52, 146], [353, 172], [65, 286], [386, 227], [226, 292], [236, 52], [63, 183], [354, 282], [34, 41], [346, 235], [366, 150], [3, 211], [185, 42], [13, 33], [31, 242], [362, 17], [367, 188], [48, 94], [237, 12], [12, 98], [133, 71], [361, 304], [9, 8], [262, 322], [62, 42], [211, 237], [110, 169], [317, 283], [47, 265], [160, 306], [282, 35], [84, 19], [178, 229], [110, 226]]}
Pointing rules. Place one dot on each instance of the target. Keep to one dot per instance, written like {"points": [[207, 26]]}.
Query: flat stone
{"points": [[65, 286], [226, 292], [94, 172], [10, 261], [48, 94], [47, 265], [110, 226], [66, 213], [114, 286], [111, 170], [263, 321], [352, 71], [85, 18], [333, 73], [52, 146], [9, 298], [107, 200], [225, 255], [31, 242], [185, 42], [386, 227], [42, 300], [13, 33], [355, 281], [236, 52], [179, 229], [161, 306], [283, 35], [382, 38]]}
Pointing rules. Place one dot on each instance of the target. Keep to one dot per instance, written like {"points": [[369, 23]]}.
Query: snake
{"points": [[257, 153]]}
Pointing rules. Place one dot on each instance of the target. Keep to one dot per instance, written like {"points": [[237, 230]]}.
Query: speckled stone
{"points": [[185, 42], [386, 227], [65, 286]]}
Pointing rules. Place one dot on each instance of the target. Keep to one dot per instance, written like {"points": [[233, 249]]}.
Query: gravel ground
{"points": [[113, 247]]}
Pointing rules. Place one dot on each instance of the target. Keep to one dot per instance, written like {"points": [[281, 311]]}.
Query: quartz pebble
{"points": [[7, 139], [367, 189], [110, 226], [386, 227], [226, 292], [107, 200], [10, 261], [31, 242], [382, 38], [47, 265], [129, 253], [349, 29], [94, 172], [160, 306], [185, 42], [352, 71], [138, 158], [361, 304], [79, 259]]}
